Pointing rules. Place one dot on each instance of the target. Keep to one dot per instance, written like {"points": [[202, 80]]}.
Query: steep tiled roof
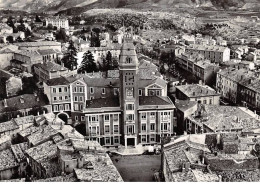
{"points": [[226, 118], [43, 134], [8, 126], [50, 66], [18, 150], [207, 48], [62, 80], [144, 83], [7, 160], [28, 101]]}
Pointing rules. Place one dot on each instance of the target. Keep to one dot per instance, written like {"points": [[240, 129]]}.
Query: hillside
{"points": [[81, 5]]}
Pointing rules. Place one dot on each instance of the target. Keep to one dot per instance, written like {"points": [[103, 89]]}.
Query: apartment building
{"points": [[42, 45], [201, 68], [216, 54], [57, 22]]}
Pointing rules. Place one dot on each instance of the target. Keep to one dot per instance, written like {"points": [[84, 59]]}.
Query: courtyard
{"points": [[137, 168]]}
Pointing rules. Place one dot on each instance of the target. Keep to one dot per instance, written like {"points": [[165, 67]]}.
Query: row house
{"points": [[239, 86], [202, 69], [216, 54]]}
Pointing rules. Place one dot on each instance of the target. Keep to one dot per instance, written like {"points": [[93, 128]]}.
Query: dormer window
{"points": [[128, 60]]}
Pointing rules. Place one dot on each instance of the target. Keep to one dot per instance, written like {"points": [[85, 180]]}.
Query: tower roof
{"points": [[128, 57]]}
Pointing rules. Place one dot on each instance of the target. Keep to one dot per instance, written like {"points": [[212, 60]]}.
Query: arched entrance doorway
{"points": [[64, 117]]}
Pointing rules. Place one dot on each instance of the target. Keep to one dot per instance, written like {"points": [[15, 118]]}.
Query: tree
{"points": [[21, 27], [61, 35], [88, 63], [10, 22], [50, 27], [70, 58], [37, 19], [10, 39]]}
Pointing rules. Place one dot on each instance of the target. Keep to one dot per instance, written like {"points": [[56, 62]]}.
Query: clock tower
{"points": [[129, 98]]}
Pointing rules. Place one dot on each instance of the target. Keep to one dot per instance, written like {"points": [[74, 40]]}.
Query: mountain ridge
{"points": [[63, 5]]}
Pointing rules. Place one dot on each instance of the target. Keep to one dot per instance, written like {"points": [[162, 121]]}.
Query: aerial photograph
{"points": [[129, 91]]}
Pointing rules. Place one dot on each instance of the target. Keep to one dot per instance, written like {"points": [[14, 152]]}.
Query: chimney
{"points": [[5, 103], [38, 113]]}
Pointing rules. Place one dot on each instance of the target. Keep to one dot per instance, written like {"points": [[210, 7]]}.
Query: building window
{"points": [[81, 107], [140, 92], [66, 97], [115, 117], [143, 139], [91, 90], [152, 127], [82, 118], [158, 93], [56, 108], [81, 98], [106, 117], [76, 118], [152, 115], [151, 93], [116, 129], [94, 118], [143, 116], [67, 107], [92, 97], [81, 89], [75, 98], [204, 101], [60, 90], [152, 138], [61, 107], [54, 98], [130, 106], [60, 98], [143, 127], [107, 140], [107, 129], [54, 90], [130, 117], [76, 107], [210, 101], [103, 90], [116, 140]]}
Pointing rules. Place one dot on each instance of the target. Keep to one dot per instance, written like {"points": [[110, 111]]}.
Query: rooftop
{"points": [[102, 102], [19, 150], [8, 126], [207, 48], [47, 150], [227, 118], [37, 44], [24, 102], [196, 90], [154, 100], [7, 160], [43, 134], [50, 67]]}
